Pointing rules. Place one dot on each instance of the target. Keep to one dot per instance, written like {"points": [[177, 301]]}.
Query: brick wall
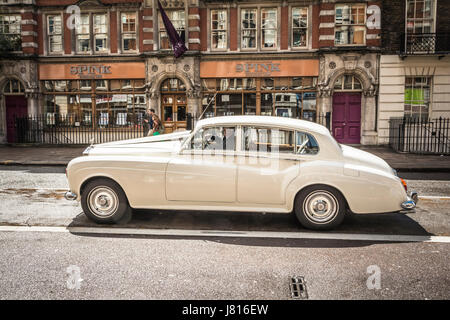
{"points": [[29, 32], [393, 25]]}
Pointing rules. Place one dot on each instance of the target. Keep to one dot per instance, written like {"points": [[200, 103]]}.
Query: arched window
{"points": [[173, 85], [347, 83], [13, 86]]}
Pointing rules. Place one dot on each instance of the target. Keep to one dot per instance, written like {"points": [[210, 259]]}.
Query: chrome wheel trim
{"points": [[103, 202], [320, 206]]}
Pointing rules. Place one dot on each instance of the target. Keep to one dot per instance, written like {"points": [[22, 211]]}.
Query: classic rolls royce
{"points": [[237, 163]]}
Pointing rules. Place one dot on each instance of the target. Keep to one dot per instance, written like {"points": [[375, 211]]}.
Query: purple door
{"points": [[347, 117], [16, 106]]}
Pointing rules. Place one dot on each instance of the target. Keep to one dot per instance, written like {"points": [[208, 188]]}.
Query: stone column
{"points": [[33, 103], [369, 135]]}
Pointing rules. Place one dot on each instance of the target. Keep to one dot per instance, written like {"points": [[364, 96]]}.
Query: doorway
{"points": [[16, 107], [173, 105], [347, 117]]}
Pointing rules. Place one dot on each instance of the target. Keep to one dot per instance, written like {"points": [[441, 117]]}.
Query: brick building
{"points": [[308, 59], [415, 65]]}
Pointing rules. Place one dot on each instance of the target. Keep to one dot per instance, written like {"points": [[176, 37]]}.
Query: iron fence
{"points": [[425, 43], [76, 129], [421, 136]]}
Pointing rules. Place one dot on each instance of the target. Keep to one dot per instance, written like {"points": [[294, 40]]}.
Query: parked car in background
{"points": [[237, 163]]}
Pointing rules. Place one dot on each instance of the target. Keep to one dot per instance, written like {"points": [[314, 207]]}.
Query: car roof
{"points": [[295, 124]]}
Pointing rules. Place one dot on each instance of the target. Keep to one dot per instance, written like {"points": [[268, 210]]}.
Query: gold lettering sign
{"points": [[90, 71], [257, 69], [120, 70], [261, 68]]}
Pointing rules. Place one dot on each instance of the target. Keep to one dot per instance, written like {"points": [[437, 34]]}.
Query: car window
{"points": [[268, 140], [214, 138], [305, 144]]}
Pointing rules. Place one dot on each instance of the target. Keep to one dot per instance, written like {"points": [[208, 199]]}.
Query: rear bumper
{"points": [[411, 202]]}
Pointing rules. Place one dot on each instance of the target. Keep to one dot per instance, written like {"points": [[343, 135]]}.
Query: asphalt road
{"points": [[33, 265]]}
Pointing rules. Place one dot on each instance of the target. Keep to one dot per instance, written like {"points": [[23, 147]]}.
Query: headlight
{"points": [[394, 172]]}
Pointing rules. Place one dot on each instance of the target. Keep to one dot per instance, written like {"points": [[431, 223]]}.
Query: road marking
{"points": [[232, 234], [444, 198]]}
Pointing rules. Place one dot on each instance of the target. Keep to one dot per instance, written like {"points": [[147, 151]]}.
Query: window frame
{"points": [[288, 155], [414, 20], [292, 28], [260, 29], [162, 29], [16, 34], [427, 103], [124, 33], [308, 87], [364, 24], [225, 31], [94, 92], [106, 33], [241, 29], [78, 34], [50, 35]]}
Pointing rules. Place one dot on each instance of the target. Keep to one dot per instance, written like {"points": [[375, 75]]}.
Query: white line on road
{"points": [[235, 234]]}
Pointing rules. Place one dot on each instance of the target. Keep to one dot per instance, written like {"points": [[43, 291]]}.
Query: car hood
{"points": [[161, 144], [360, 157]]}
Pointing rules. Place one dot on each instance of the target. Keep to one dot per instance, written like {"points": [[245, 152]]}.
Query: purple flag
{"points": [[177, 43]]}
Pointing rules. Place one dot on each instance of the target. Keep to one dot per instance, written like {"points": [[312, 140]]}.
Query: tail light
{"points": [[404, 184]]}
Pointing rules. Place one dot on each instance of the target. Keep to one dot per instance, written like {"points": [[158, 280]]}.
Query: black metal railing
{"points": [[77, 129], [425, 43], [421, 136]]}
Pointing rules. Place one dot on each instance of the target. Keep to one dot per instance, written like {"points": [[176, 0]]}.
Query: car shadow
{"points": [[227, 222]]}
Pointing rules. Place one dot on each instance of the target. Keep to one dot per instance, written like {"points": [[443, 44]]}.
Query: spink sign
{"points": [[90, 72], [258, 68]]}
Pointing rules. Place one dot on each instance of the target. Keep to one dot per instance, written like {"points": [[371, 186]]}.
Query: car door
{"points": [[267, 165], [206, 170]]}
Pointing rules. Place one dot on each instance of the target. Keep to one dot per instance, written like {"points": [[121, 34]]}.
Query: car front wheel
{"points": [[103, 201], [320, 207]]}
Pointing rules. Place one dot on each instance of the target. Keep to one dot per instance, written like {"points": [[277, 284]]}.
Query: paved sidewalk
{"points": [[60, 156]]}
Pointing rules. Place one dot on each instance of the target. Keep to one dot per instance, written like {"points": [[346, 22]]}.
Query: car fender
{"points": [[365, 189]]}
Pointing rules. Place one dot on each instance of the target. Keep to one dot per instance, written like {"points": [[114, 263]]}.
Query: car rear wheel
{"points": [[320, 207], [104, 201]]}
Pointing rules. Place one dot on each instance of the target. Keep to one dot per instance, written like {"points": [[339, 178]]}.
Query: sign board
{"points": [[268, 68], [73, 71]]}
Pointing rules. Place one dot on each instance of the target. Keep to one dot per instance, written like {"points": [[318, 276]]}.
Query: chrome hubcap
{"points": [[320, 206], [103, 202]]}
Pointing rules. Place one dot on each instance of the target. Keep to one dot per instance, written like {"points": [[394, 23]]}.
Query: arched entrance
{"points": [[346, 124], [16, 106], [173, 104]]}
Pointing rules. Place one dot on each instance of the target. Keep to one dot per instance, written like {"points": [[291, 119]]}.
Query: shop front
{"points": [[285, 88], [93, 97]]}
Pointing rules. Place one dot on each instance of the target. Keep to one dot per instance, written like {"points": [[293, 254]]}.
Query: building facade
{"points": [[308, 59], [415, 65]]}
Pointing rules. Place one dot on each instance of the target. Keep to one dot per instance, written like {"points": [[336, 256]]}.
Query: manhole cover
{"points": [[298, 288]]}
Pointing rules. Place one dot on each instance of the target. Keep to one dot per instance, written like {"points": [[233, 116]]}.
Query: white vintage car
{"points": [[237, 163]]}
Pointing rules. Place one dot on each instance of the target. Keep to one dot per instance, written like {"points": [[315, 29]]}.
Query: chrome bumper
{"points": [[70, 195], [413, 199]]}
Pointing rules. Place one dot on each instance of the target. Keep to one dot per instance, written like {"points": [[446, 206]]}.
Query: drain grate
{"points": [[298, 288]]}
